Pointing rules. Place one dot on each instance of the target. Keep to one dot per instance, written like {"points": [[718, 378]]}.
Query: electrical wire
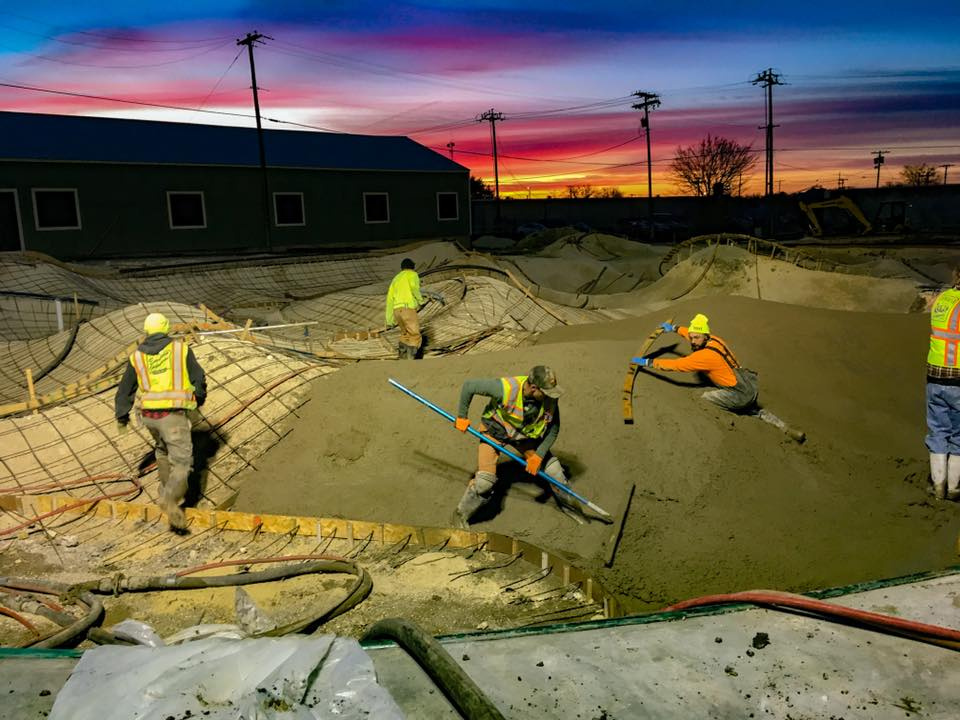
{"points": [[120, 67]]}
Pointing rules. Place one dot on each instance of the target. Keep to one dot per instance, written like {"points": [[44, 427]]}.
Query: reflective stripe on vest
{"points": [[509, 412], [945, 330], [163, 378]]}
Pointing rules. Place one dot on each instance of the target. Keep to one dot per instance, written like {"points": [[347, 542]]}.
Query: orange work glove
{"points": [[461, 424], [533, 464]]}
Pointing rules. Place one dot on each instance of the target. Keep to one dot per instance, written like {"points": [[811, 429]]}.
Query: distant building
{"points": [[85, 187]]}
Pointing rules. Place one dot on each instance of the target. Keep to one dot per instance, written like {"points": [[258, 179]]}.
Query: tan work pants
{"points": [[409, 323], [174, 450], [487, 457]]}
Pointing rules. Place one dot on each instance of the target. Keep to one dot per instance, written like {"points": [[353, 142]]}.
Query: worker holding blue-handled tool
{"points": [[522, 414], [523, 399]]}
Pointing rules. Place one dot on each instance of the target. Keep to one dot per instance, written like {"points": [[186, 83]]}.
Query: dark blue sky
{"points": [[857, 76]]}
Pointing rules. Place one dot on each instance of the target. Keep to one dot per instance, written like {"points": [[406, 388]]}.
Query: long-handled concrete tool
{"points": [[603, 514]]}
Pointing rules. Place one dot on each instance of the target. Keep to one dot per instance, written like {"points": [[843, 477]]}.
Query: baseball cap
{"points": [[546, 379]]}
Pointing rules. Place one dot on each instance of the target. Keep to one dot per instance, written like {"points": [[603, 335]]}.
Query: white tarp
{"points": [[289, 678]]}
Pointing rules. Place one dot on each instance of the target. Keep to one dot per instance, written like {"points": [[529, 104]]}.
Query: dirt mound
{"points": [[722, 503], [728, 270]]}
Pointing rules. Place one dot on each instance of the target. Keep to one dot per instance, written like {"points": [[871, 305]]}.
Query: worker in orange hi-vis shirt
{"points": [[736, 387]]}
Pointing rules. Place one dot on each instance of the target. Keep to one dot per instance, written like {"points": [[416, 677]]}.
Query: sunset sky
{"points": [[858, 77]]}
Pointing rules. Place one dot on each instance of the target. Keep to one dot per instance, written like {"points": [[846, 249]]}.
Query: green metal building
{"points": [[88, 187]]}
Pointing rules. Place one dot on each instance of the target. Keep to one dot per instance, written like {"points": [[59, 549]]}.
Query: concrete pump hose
{"points": [[458, 687], [72, 633], [776, 600]]}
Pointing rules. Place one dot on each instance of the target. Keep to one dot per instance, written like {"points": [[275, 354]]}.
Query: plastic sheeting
{"points": [[294, 678]]}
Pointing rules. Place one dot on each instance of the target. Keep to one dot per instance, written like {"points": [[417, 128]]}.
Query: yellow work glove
{"points": [[533, 464], [461, 424], [123, 426]]}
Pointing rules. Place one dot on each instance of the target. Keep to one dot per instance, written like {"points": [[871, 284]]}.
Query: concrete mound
{"points": [[722, 502]]}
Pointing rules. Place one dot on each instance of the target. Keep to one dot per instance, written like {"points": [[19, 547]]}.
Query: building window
{"points": [[376, 208], [56, 209], [447, 206], [186, 210], [288, 209]]}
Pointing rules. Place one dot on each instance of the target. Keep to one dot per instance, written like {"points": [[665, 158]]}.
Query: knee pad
{"points": [[554, 469], [483, 483]]}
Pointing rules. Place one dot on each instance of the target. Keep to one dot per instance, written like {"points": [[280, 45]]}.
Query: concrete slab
{"points": [[749, 664]]}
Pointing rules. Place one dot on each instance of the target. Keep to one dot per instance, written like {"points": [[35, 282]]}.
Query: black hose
{"points": [[355, 595], [72, 633], [458, 687], [61, 356]]}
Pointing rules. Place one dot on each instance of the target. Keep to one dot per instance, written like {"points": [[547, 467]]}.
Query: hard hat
{"points": [[156, 323], [699, 325]]}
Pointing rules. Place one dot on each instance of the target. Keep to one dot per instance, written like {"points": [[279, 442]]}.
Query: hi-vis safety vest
{"points": [[404, 292], [163, 378], [509, 412], [945, 329]]}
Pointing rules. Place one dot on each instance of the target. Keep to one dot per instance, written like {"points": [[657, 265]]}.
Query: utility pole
{"points": [[648, 101], [450, 146], [877, 162], [768, 78], [840, 182], [492, 116], [948, 165], [249, 41]]}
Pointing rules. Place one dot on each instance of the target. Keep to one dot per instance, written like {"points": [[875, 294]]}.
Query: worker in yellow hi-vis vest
{"points": [[943, 392], [404, 298], [523, 415], [171, 383]]}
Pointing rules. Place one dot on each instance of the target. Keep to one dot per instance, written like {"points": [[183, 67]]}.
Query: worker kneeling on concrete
{"points": [[523, 415], [736, 387], [171, 382]]}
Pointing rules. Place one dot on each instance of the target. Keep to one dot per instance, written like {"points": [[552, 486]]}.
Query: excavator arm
{"points": [[842, 202]]}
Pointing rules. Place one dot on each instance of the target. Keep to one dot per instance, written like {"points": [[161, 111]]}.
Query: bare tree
{"points": [[580, 191], [713, 167], [610, 192], [922, 174]]}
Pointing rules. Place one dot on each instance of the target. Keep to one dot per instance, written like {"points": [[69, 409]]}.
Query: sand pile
{"points": [[727, 270], [592, 263], [723, 503]]}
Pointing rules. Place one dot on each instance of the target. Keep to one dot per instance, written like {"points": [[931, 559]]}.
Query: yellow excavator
{"points": [[891, 217], [842, 202]]}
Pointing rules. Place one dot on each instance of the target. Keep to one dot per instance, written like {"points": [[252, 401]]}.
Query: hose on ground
{"points": [[317, 564], [72, 633], [775, 600], [458, 687]]}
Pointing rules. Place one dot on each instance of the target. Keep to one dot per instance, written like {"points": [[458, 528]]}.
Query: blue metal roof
{"points": [[74, 138]]}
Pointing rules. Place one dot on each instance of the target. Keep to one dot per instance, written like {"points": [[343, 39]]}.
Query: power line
{"points": [[118, 67]]}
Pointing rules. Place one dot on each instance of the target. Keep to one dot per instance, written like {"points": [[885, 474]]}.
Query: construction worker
{"points": [[171, 382], [523, 415], [736, 387], [403, 300], [943, 392]]}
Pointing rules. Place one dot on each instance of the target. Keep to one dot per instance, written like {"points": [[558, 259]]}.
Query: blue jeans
{"points": [[943, 419]]}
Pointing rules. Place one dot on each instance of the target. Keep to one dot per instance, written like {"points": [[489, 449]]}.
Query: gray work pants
{"points": [[174, 450], [740, 397]]}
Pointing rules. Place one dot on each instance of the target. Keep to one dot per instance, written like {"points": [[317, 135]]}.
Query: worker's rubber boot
{"points": [[476, 495], [938, 474], [953, 477]]}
